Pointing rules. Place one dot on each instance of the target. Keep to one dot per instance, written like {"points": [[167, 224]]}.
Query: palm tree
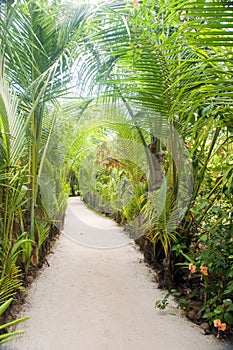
{"points": [[38, 51]]}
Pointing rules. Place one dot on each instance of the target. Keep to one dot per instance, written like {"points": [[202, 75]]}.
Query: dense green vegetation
{"points": [[147, 132]]}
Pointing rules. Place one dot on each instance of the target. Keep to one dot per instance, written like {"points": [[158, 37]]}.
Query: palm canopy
{"points": [[172, 57], [37, 47]]}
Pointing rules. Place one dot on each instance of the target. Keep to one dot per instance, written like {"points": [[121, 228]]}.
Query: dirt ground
{"points": [[98, 294]]}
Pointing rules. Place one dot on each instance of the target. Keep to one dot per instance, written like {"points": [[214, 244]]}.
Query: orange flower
{"points": [[221, 326], [192, 268], [217, 323], [204, 270]]}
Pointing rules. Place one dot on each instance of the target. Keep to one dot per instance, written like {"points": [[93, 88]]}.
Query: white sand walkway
{"points": [[101, 299]]}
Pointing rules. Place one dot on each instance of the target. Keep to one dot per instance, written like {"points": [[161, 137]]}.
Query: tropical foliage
{"points": [[151, 125], [10, 335]]}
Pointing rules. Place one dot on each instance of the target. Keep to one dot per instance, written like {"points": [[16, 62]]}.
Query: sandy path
{"points": [[101, 299]]}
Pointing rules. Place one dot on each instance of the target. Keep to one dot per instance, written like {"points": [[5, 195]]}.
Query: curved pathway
{"points": [[97, 294]]}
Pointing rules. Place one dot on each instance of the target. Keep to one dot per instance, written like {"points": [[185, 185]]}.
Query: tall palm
{"points": [[38, 51]]}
